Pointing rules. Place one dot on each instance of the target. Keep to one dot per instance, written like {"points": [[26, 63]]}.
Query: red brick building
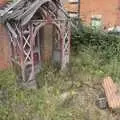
{"points": [[4, 48], [108, 11], [4, 44]]}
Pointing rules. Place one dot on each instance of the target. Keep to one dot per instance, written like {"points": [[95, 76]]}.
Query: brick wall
{"points": [[4, 48], [107, 8]]}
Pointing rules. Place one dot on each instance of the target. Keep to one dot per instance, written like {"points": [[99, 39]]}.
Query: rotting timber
{"points": [[25, 20]]}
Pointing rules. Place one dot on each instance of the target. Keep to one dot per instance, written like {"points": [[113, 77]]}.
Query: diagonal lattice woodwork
{"points": [[24, 20], [25, 44], [28, 71], [15, 44], [65, 44]]}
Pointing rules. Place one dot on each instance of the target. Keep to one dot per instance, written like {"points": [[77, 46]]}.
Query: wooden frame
{"points": [[23, 32]]}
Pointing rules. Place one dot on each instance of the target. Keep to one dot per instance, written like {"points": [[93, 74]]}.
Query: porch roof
{"points": [[24, 10]]}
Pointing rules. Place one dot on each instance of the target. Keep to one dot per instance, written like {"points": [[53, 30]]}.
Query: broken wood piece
{"points": [[12, 30], [111, 93]]}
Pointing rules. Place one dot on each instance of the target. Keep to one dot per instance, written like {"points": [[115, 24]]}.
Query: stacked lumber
{"points": [[111, 92]]}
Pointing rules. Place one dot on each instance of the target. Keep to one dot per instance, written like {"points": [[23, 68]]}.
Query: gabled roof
{"points": [[24, 10]]}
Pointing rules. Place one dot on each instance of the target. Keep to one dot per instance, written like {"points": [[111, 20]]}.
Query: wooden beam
{"points": [[31, 11], [11, 30]]}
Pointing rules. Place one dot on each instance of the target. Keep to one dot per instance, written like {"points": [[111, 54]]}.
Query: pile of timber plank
{"points": [[112, 93]]}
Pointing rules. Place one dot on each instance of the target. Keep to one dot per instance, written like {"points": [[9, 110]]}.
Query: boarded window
{"points": [[96, 21]]}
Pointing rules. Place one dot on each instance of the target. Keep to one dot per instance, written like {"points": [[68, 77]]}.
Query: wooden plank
{"points": [[11, 30], [111, 93]]}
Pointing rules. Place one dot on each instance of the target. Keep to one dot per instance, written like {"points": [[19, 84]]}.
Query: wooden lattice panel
{"points": [[65, 44], [111, 93]]}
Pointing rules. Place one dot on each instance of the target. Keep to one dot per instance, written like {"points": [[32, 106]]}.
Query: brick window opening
{"points": [[96, 21]]}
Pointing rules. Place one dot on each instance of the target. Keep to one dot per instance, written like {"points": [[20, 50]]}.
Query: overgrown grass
{"points": [[46, 103], [94, 63], [93, 59], [99, 50], [43, 103]]}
